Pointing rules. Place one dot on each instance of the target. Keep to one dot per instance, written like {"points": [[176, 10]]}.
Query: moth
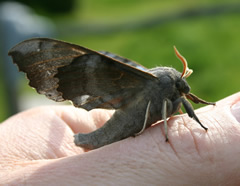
{"points": [[90, 79]]}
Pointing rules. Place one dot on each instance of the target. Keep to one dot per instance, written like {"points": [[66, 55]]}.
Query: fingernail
{"points": [[236, 111]]}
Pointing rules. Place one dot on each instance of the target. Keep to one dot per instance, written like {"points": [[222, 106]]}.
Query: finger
{"points": [[185, 134], [197, 153]]}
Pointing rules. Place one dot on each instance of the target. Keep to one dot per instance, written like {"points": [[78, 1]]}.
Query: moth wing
{"points": [[124, 60], [97, 81], [64, 71], [40, 58]]}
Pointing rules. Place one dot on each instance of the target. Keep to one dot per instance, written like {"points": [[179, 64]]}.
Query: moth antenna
{"points": [[186, 71]]}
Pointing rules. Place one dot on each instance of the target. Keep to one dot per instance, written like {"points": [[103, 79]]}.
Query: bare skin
{"points": [[36, 148]]}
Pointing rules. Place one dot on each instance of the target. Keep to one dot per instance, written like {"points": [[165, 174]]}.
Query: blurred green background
{"points": [[207, 33]]}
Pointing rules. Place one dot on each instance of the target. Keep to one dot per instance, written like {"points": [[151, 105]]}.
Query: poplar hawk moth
{"points": [[90, 79]]}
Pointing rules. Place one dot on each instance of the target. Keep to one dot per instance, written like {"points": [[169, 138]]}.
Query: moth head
{"points": [[182, 84]]}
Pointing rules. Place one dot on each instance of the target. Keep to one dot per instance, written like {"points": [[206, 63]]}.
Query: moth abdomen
{"points": [[124, 123]]}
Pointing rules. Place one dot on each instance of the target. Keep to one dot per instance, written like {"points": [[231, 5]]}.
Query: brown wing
{"points": [[64, 71]]}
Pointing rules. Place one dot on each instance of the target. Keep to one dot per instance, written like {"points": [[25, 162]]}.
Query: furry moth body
{"points": [[90, 79]]}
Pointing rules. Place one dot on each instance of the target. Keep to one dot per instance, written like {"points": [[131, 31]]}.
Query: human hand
{"points": [[36, 148]]}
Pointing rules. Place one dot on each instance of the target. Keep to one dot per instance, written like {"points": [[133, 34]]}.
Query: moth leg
{"points": [[180, 111], [189, 109], [197, 100], [164, 117], [145, 120]]}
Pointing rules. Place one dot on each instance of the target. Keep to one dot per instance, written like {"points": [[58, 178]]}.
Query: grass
{"points": [[210, 43], [4, 104]]}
